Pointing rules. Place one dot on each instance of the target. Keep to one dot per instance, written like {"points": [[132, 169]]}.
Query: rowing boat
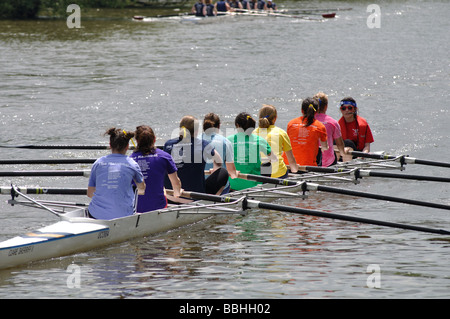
{"points": [[75, 232], [191, 18]]}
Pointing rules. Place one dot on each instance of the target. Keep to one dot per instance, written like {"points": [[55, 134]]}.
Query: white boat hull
{"points": [[72, 235]]}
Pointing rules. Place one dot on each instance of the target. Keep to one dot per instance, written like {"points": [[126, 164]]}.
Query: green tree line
{"points": [[28, 9]]}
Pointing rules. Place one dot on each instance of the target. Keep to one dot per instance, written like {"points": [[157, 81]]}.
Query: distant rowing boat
{"points": [[189, 17]]}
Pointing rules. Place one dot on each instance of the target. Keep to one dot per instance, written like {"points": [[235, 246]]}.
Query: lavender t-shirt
{"points": [[112, 176]]}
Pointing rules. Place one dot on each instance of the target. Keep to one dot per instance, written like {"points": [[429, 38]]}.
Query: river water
{"points": [[67, 86]]}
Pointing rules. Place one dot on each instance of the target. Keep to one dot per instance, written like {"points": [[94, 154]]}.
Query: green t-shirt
{"points": [[247, 157]]}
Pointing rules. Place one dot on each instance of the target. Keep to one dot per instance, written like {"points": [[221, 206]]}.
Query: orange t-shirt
{"points": [[304, 140]]}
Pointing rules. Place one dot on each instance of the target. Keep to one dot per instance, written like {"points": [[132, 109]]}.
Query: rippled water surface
{"points": [[66, 86]]}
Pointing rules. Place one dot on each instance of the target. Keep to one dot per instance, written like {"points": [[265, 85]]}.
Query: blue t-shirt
{"points": [[154, 167], [223, 146], [190, 157], [112, 176]]}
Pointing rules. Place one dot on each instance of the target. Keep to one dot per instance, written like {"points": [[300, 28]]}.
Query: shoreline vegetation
{"points": [[32, 9]]}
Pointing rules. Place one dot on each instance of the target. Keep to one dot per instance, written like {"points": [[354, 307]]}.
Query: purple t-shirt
{"points": [[154, 167]]}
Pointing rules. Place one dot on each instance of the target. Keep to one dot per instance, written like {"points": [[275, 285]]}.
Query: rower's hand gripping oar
{"points": [[248, 204]]}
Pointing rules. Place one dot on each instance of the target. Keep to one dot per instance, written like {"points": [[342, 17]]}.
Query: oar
{"points": [[65, 147], [49, 161], [246, 204], [316, 187], [329, 189], [407, 159], [84, 173], [8, 190], [364, 173], [72, 147]]}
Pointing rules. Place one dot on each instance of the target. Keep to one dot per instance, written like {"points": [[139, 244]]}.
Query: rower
{"points": [[236, 5], [305, 132], [110, 181], [190, 154], [211, 133], [278, 140], [199, 9], [271, 6], [258, 5], [155, 165], [210, 8], [247, 151], [222, 6], [355, 129], [333, 132]]}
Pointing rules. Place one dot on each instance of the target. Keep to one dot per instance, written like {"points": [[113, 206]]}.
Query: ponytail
{"points": [[246, 122], [188, 127], [309, 109], [145, 138], [267, 116], [118, 138]]}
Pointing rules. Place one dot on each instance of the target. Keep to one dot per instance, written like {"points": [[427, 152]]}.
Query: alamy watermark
{"points": [[374, 19], [73, 20], [74, 277], [374, 279]]}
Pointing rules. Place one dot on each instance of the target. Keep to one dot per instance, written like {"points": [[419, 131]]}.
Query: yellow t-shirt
{"points": [[279, 142]]}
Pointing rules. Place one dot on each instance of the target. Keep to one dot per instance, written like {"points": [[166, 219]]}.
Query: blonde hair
{"points": [[322, 99], [190, 124], [267, 115]]}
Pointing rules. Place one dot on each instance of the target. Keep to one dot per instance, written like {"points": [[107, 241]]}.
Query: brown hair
{"points": [[118, 138], [245, 121], [145, 138], [267, 115], [211, 120], [309, 109]]}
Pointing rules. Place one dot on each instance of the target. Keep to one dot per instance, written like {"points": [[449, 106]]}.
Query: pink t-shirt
{"points": [[333, 132]]}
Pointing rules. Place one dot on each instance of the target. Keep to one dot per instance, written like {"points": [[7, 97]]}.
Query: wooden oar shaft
{"points": [[5, 190], [296, 210]]}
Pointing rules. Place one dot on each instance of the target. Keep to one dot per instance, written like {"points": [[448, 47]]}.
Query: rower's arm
{"points": [[176, 184], [141, 188], [90, 191]]}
